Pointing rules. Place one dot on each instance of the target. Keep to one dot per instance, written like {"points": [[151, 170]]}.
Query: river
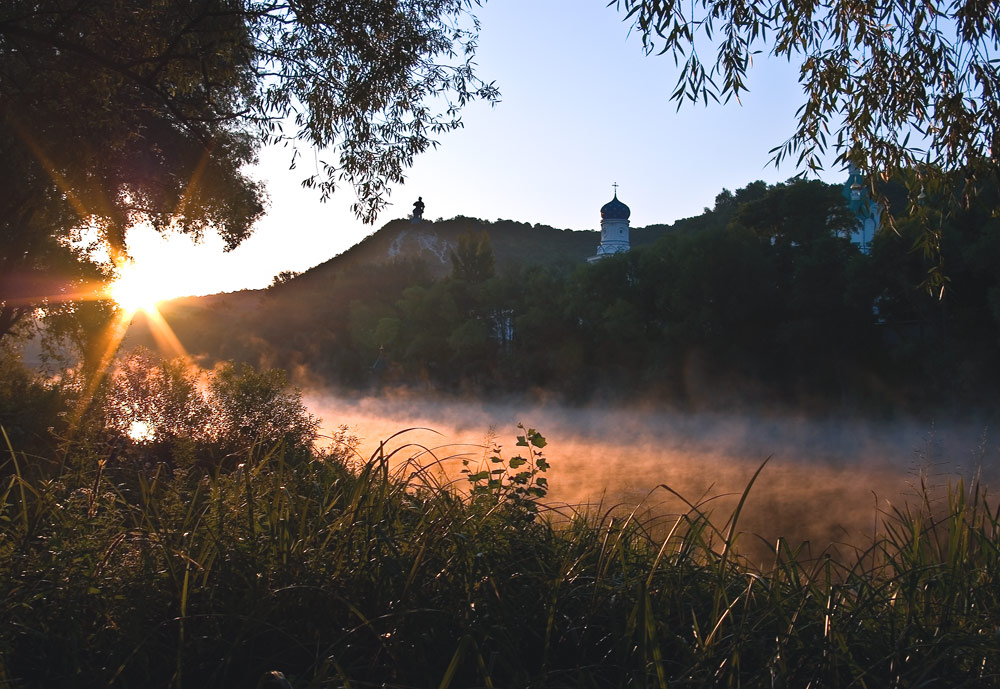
{"points": [[826, 481]]}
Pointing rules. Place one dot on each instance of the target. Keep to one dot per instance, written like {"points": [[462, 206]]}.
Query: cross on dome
{"points": [[615, 209]]}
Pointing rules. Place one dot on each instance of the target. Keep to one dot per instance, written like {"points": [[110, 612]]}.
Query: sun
{"points": [[142, 288], [136, 290]]}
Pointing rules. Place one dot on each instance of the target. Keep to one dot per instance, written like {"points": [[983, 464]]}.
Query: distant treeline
{"points": [[761, 300]]}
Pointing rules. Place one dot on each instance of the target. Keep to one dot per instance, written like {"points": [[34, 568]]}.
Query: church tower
{"points": [[614, 228]]}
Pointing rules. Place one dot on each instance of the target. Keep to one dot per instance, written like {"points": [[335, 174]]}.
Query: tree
{"points": [[797, 212], [154, 401], [472, 259], [284, 277], [29, 406], [39, 264], [115, 113], [893, 85], [251, 408], [171, 408]]}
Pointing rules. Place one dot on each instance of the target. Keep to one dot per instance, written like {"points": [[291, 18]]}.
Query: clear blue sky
{"points": [[582, 107]]}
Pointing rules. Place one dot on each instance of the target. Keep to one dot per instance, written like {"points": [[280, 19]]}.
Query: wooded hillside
{"points": [[761, 300]]}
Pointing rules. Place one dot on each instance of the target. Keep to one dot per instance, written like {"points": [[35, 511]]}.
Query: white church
{"points": [[614, 228]]}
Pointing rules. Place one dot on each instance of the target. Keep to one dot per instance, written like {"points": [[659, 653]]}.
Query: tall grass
{"points": [[374, 572]]}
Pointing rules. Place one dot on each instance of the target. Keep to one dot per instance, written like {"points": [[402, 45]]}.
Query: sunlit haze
{"points": [[823, 482], [582, 108]]}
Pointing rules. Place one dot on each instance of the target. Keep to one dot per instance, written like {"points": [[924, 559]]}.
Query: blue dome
{"points": [[615, 210]]}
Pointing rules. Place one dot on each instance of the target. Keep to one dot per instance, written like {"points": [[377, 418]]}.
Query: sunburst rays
{"points": [[128, 291], [136, 296]]}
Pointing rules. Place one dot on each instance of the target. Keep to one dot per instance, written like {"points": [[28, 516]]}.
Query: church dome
{"points": [[615, 210]]}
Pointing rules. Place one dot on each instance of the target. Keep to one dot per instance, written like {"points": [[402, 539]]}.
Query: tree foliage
{"points": [[29, 407], [181, 411], [153, 400], [253, 408], [889, 86], [213, 78], [284, 277], [115, 113], [472, 259], [39, 263]]}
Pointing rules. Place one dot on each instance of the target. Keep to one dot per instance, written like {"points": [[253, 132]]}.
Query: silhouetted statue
{"points": [[418, 209]]}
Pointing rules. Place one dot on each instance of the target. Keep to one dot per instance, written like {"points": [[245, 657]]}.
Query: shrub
{"points": [[30, 408], [170, 411]]}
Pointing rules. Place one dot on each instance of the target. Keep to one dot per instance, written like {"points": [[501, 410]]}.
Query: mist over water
{"points": [[826, 482]]}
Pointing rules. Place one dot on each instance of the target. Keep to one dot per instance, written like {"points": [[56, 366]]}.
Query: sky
{"points": [[581, 108]]}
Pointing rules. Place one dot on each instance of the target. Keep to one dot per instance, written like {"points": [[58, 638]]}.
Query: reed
{"points": [[350, 571]]}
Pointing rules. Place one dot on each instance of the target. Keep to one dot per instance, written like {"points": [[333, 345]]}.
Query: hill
{"points": [[515, 244], [294, 323]]}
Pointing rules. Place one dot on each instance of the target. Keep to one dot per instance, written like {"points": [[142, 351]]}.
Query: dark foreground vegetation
{"points": [[174, 561]]}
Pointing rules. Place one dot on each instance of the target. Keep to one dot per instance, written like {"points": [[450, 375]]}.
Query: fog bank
{"points": [[823, 482]]}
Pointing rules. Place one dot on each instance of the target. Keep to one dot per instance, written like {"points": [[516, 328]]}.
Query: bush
{"points": [[170, 411], [251, 408], [30, 409]]}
